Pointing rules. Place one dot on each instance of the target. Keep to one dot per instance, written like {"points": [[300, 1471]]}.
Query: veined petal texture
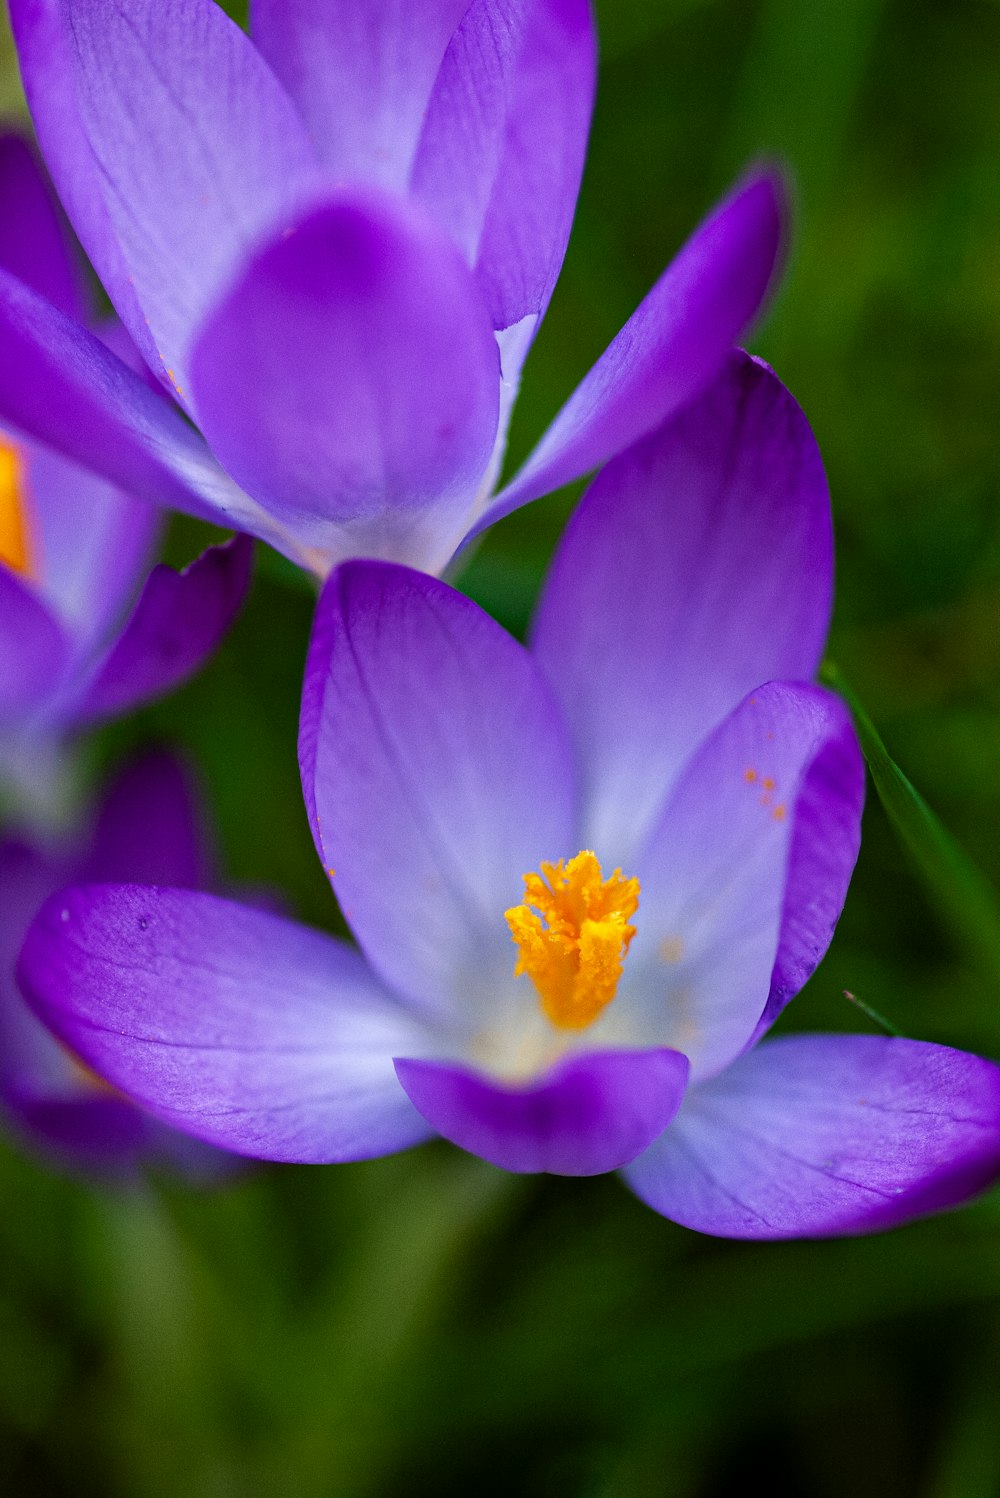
{"points": [[244, 1029], [502, 148], [669, 349], [698, 565], [61, 385], [819, 1135], [173, 146], [360, 74], [714, 875], [436, 773]]}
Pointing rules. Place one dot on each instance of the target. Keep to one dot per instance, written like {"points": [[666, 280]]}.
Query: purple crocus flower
{"points": [[656, 804], [333, 244], [86, 629], [146, 827]]}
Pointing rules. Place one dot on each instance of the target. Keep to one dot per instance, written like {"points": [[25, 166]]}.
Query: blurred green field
{"points": [[427, 1323]]}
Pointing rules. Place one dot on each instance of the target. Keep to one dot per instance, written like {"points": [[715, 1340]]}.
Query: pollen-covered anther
{"points": [[573, 933], [15, 547]]}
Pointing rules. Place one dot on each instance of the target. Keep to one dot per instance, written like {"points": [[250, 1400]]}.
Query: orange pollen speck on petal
{"points": [[15, 541], [572, 933]]}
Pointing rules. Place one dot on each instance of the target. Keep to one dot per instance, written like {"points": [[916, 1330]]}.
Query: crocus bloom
{"points": [[146, 827], [653, 801], [86, 629], [333, 244]]}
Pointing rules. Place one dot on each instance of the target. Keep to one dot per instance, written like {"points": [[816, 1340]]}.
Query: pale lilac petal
{"points": [[198, 152], [503, 144], [33, 648], [360, 74], [350, 381], [177, 623], [670, 348], [589, 1114], [698, 565], [34, 241], [148, 827], [244, 1029], [821, 1135], [60, 384], [436, 773], [714, 876], [94, 545]]}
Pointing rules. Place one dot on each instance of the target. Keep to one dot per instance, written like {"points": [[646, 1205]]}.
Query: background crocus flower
{"points": [[333, 245], [87, 630], [654, 801], [145, 827]]}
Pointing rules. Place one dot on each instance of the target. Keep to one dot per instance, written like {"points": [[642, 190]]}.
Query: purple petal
{"points": [[670, 348], [530, 213], [825, 842], [350, 381], [714, 875], [502, 149], [60, 384], [148, 827], [95, 545], [699, 564], [46, 57], [179, 620], [30, 1060], [197, 150], [361, 76], [463, 132], [45, 1096], [34, 242], [98, 1134], [33, 648], [246, 1030], [823, 1135], [436, 773], [589, 1114]]}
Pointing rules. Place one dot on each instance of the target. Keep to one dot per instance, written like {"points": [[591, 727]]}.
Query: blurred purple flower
{"points": [[86, 629], [663, 723], [333, 245], [147, 828]]}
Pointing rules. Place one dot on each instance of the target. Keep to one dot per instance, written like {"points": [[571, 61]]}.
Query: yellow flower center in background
{"points": [[15, 549], [573, 933]]}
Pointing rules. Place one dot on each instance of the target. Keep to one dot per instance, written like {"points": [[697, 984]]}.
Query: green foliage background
{"points": [[426, 1323]]}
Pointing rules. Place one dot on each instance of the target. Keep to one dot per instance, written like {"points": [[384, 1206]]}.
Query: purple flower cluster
{"points": [[87, 629], [49, 1098], [332, 244], [584, 876]]}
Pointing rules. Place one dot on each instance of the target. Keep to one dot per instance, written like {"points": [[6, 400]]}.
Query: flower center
{"points": [[572, 933], [15, 550]]}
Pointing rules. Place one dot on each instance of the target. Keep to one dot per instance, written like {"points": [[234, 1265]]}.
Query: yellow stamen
{"points": [[15, 547], [573, 933]]}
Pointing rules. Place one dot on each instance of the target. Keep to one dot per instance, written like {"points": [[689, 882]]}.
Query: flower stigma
{"points": [[15, 551], [572, 933]]}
